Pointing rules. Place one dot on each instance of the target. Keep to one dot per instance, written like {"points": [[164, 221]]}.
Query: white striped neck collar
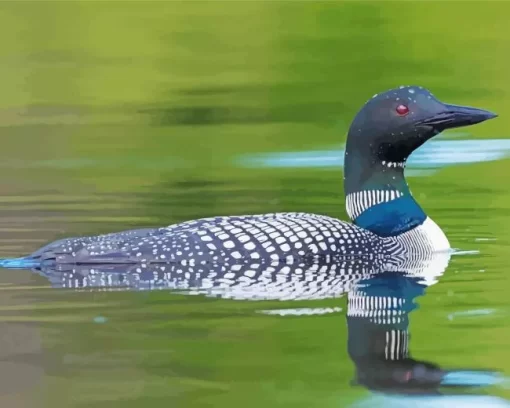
{"points": [[358, 202], [385, 212]]}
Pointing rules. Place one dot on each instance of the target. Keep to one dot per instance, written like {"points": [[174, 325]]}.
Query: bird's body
{"points": [[283, 237], [296, 278], [387, 221]]}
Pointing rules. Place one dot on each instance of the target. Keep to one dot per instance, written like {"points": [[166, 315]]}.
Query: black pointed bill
{"points": [[456, 116]]}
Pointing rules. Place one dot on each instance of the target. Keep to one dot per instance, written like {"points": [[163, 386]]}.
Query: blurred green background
{"points": [[124, 114]]}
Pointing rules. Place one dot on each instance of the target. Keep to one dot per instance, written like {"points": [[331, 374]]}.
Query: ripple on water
{"points": [[433, 155], [450, 401]]}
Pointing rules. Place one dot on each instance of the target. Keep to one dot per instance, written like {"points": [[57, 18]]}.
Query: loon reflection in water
{"points": [[387, 220], [379, 300]]}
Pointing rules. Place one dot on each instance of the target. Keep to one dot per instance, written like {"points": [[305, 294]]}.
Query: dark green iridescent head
{"points": [[390, 126]]}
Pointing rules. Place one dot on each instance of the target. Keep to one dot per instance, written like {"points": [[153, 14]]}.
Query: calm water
{"points": [[122, 115]]}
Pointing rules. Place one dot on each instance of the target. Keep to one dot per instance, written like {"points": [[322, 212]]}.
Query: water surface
{"points": [[119, 116]]}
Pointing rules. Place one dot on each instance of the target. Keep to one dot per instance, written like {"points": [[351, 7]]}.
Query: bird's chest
{"points": [[425, 238]]}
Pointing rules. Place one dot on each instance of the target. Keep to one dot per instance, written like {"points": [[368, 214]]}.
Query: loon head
{"points": [[383, 134], [391, 125]]}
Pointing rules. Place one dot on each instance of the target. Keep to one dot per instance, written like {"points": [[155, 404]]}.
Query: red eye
{"points": [[402, 110]]}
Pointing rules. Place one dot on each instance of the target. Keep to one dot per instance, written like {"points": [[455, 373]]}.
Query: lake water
{"points": [[125, 115]]}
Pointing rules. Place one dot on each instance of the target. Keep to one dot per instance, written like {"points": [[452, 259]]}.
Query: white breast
{"points": [[424, 239], [435, 236]]}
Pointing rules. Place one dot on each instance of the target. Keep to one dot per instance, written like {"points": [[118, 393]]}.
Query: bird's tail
{"points": [[19, 263]]}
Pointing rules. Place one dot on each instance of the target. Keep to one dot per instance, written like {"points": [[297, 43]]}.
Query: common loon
{"points": [[387, 221]]}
